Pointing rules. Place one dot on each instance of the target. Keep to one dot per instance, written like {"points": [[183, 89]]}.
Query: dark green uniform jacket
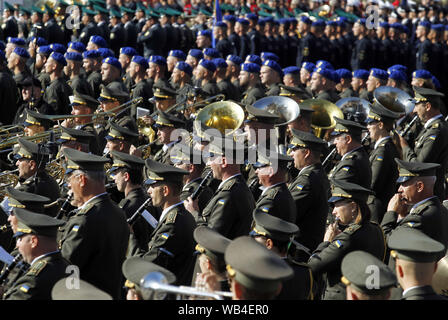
{"points": [[38, 281], [301, 286], [422, 293], [57, 96], [330, 95], [273, 90], [252, 94], [204, 197], [327, 258], [277, 201], [95, 239]]}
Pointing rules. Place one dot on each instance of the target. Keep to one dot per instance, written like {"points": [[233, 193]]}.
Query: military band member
{"points": [[36, 242], [276, 234], [380, 122], [271, 76], [96, 236], [32, 99], [249, 79], [432, 143], [171, 244], [352, 231], [75, 139], [120, 138], [258, 276], [354, 166], [85, 291]]}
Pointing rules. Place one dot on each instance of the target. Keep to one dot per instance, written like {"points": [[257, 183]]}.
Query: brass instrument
{"points": [[56, 170], [224, 116], [322, 120], [8, 179], [354, 109], [394, 99], [6, 131], [155, 282]]}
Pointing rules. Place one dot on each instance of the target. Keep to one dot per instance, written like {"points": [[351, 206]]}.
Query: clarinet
{"points": [[329, 157], [201, 186], [63, 211], [408, 126], [366, 137], [17, 259], [138, 212]]}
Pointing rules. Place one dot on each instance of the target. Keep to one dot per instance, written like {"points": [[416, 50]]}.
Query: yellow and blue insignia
{"points": [[24, 288], [299, 186], [338, 243], [165, 235], [411, 224], [221, 202], [433, 137], [75, 228], [265, 209], [345, 168], [379, 158]]}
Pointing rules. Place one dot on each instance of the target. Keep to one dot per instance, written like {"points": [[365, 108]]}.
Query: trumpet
{"points": [[330, 157], [155, 282]]}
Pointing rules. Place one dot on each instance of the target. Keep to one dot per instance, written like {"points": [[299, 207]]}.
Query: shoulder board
{"points": [[421, 207], [37, 267], [272, 193], [123, 203], [350, 156], [228, 185], [435, 125], [382, 144], [352, 228], [86, 209], [171, 216]]}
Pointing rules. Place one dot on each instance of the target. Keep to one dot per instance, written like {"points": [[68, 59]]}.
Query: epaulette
{"points": [[228, 185], [86, 209], [350, 156], [352, 228], [124, 203], [435, 125], [37, 268], [272, 193], [420, 208], [171, 216]]}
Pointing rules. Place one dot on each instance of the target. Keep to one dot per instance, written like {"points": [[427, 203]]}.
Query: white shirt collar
{"points": [[43, 256], [304, 168], [222, 183], [419, 203], [345, 155], [164, 212], [381, 140], [409, 289], [186, 186], [430, 121], [91, 199], [167, 146]]}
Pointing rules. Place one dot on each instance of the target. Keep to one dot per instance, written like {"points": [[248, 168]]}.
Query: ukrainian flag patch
{"points": [[411, 224], [265, 209], [299, 187], [338, 243], [379, 158], [75, 228], [221, 202], [345, 168], [25, 288], [433, 137], [165, 235]]}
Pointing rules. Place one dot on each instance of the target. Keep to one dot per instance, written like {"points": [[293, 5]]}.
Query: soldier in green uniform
{"points": [[418, 210], [92, 67], [356, 269], [141, 87], [309, 190], [127, 173], [257, 276], [95, 237], [271, 76], [322, 85], [276, 234], [352, 231], [35, 123], [416, 256], [30, 161], [431, 144], [119, 138], [204, 74], [90, 27], [276, 199], [380, 123], [229, 211], [111, 75], [354, 166], [75, 139], [58, 92], [72, 70], [250, 82], [171, 244], [36, 241]]}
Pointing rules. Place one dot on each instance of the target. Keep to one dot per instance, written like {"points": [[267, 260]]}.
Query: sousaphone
{"points": [[394, 99], [322, 119]]}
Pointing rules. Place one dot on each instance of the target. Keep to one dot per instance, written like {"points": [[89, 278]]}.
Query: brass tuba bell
{"points": [[322, 119], [394, 99], [354, 109]]}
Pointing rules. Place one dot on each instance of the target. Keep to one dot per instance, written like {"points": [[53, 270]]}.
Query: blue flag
{"points": [[217, 16]]}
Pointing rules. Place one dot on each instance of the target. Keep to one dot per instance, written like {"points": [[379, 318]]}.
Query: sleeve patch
{"points": [[24, 288], [265, 209], [345, 168], [433, 137], [165, 235], [338, 243], [75, 228], [221, 202], [379, 158], [411, 224], [299, 187]]}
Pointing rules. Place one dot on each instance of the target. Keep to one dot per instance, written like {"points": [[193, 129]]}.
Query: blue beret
{"points": [[57, 47], [185, 67], [344, 73], [206, 33], [141, 61], [253, 58], [17, 41], [99, 41], [75, 56], [400, 67], [229, 18], [332, 23], [379, 73], [425, 24], [306, 20], [45, 50], [252, 16], [335, 76], [129, 51], [78, 46], [235, 59], [196, 53], [2, 45], [22, 52], [397, 75], [58, 57], [341, 23], [309, 66], [327, 73], [422, 74], [221, 24], [324, 64], [161, 61], [91, 54], [113, 62], [40, 41], [211, 52], [293, 20], [437, 27], [384, 25], [220, 63], [250, 67], [243, 21], [446, 27], [269, 56], [273, 65], [436, 82], [395, 25], [283, 21], [105, 52], [207, 64], [361, 74], [261, 22], [177, 54], [291, 70], [318, 23]]}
